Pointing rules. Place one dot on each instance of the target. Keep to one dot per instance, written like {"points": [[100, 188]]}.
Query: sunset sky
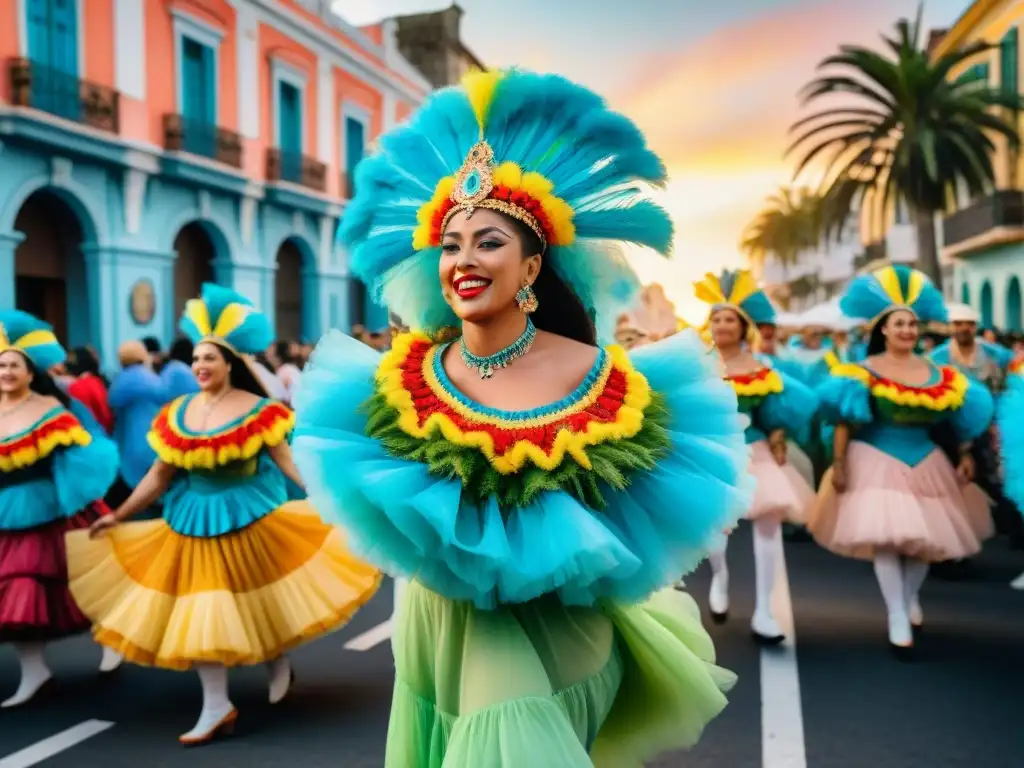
{"points": [[713, 84]]}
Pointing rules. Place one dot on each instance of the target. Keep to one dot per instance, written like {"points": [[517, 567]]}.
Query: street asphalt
{"points": [[960, 704]]}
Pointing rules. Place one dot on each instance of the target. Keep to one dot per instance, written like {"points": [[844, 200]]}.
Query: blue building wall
{"points": [[132, 205], [990, 281]]}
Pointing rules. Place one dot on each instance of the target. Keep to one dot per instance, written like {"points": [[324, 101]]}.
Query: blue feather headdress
{"points": [[737, 291], [890, 288], [31, 337], [226, 317], [536, 147]]}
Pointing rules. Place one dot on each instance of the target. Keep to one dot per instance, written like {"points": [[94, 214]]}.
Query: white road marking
{"points": [[363, 642], [47, 748], [1018, 583], [782, 722]]}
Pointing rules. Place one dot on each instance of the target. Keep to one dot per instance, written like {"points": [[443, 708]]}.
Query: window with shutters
{"points": [[1009, 62]]}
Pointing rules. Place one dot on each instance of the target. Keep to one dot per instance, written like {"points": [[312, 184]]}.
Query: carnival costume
{"points": [[234, 573], [53, 476], [903, 497], [1011, 433], [536, 628], [778, 407]]}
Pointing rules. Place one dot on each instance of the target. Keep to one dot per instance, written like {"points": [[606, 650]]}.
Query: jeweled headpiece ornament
{"points": [[31, 337], [537, 148], [877, 294], [223, 316]]}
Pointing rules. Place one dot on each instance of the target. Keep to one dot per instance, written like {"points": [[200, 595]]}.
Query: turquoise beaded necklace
{"points": [[490, 363]]}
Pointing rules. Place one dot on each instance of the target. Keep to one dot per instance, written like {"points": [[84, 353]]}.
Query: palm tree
{"points": [[913, 136], [788, 225]]}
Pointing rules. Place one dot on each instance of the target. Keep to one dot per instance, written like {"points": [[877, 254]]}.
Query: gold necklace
{"points": [[17, 406], [208, 407]]}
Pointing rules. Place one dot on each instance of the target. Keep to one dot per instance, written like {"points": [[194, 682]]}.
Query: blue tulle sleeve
{"points": [[974, 417], [414, 524], [1010, 419], [83, 474], [792, 409], [844, 400]]}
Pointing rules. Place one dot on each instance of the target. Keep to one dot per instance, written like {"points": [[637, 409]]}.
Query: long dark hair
{"points": [[83, 361], [876, 341], [242, 375], [181, 350], [42, 383], [559, 310]]}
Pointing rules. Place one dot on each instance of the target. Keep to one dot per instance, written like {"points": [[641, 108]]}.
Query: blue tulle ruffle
{"points": [[842, 400], [972, 419], [207, 505], [413, 524], [1010, 419]]}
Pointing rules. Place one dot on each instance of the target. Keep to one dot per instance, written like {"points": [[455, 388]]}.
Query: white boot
{"points": [[914, 574], [218, 715], [34, 673], [889, 572], [281, 678], [111, 660], [767, 546], [718, 596]]}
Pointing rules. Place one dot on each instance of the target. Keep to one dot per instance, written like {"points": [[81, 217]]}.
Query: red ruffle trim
{"points": [[256, 424]]}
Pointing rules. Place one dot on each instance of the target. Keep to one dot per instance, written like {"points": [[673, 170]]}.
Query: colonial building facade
{"points": [[147, 146]]}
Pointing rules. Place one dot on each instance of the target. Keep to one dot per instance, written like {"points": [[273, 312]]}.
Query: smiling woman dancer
{"points": [[232, 574], [538, 490], [53, 468], [779, 406], [892, 496]]}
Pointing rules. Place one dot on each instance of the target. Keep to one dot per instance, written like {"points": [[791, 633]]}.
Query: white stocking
{"points": [[216, 705], [914, 574], [889, 572], [767, 547], [34, 672], [280, 671], [718, 598]]}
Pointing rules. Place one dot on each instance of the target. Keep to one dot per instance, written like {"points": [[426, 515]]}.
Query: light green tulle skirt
{"points": [[547, 686]]}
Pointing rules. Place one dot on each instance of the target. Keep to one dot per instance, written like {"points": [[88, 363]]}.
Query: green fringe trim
{"points": [[613, 462]]}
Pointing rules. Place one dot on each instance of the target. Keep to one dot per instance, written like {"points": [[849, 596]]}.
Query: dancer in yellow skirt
{"points": [[234, 573]]}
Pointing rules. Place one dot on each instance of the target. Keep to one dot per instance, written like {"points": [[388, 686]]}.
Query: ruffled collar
{"points": [[945, 390], [608, 405], [760, 383], [266, 425], [57, 428]]}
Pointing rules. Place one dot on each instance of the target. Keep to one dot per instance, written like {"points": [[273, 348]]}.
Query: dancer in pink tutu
{"points": [[892, 496], [779, 407]]}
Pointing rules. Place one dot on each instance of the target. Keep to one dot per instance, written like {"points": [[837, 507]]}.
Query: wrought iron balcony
{"points": [[64, 95], [296, 168], [1002, 210], [204, 139]]}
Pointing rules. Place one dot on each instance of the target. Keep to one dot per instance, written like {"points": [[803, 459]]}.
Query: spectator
{"points": [[89, 386], [177, 375]]}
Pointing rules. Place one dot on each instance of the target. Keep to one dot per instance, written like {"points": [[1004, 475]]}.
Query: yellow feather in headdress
{"points": [[479, 86]]}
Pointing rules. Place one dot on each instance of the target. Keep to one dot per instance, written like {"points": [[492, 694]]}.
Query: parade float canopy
{"points": [[827, 315]]}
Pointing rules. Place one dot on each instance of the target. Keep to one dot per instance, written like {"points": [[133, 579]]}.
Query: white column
{"points": [[326, 128], [247, 45], [129, 48], [390, 109]]}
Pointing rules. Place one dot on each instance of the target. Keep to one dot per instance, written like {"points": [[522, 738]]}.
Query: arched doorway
{"points": [[986, 305], [965, 293], [49, 270], [1013, 305], [194, 263], [288, 292]]}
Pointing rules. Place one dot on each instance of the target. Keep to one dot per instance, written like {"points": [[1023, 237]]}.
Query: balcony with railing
{"points": [[296, 168], [196, 137], [64, 95], [1001, 213]]}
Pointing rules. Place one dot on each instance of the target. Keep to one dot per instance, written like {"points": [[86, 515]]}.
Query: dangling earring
{"points": [[527, 300]]}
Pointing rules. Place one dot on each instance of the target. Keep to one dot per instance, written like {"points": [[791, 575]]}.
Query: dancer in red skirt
{"points": [[52, 471]]}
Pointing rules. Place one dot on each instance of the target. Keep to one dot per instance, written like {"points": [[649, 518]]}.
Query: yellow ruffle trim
{"points": [[628, 419], [171, 601], [60, 431], [769, 383], [267, 426], [947, 395]]}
